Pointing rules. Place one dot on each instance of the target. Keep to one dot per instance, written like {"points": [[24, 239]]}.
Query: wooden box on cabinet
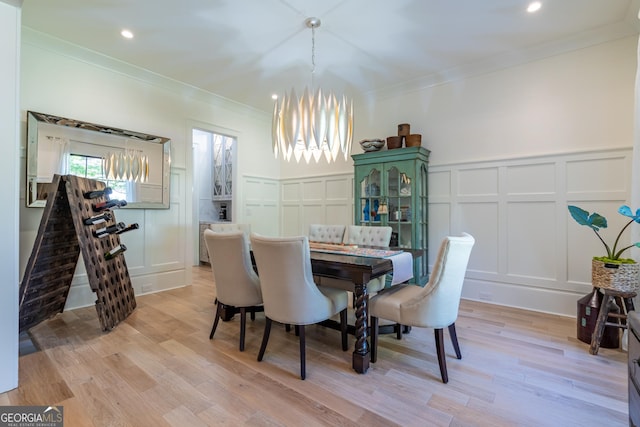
{"points": [[397, 179]]}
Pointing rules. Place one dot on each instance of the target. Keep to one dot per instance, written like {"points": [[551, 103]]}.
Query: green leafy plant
{"points": [[595, 221]]}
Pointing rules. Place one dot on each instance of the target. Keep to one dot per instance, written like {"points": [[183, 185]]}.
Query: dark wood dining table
{"points": [[354, 273]]}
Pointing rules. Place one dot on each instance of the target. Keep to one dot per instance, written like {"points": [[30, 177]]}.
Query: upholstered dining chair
{"points": [[225, 227], [434, 306], [369, 235], [290, 295], [326, 233], [237, 284]]}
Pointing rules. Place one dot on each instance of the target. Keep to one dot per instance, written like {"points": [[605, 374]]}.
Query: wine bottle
{"points": [[115, 252], [97, 193], [130, 227], [105, 231], [108, 204], [99, 219]]}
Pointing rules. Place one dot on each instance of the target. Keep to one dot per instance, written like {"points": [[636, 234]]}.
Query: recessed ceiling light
{"points": [[534, 6], [274, 96], [126, 34]]}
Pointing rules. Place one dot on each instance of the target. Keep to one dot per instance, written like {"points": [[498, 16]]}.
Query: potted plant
{"points": [[611, 271]]}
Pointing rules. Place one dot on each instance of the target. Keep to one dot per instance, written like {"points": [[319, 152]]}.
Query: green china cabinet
{"points": [[391, 189]]}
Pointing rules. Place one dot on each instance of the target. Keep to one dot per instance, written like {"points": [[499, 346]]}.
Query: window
{"points": [[91, 167]]}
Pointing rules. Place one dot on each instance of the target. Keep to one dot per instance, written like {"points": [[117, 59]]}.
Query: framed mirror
{"points": [[135, 165]]}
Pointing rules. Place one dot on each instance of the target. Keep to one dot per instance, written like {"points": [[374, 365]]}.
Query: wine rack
{"points": [[61, 237]]}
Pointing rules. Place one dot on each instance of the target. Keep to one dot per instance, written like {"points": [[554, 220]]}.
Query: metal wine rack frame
{"points": [[62, 235]]}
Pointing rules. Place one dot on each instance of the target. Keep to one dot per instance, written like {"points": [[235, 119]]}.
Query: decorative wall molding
{"points": [[315, 200], [529, 252]]}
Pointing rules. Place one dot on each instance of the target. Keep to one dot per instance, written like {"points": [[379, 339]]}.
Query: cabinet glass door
{"points": [[370, 196], [223, 147], [399, 199]]}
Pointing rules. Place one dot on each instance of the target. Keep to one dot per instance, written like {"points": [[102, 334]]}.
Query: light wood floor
{"points": [[159, 368]]}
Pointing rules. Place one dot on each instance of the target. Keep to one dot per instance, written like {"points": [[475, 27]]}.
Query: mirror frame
{"points": [[36, 192]]}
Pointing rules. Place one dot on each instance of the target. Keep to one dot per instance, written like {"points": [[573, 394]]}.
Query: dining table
{"points": [[354, 272]]}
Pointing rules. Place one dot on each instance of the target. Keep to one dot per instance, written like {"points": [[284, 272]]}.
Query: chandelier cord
{"points": [[313, 57]]}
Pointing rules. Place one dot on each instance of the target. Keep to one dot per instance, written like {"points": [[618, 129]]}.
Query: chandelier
{"points": [[314, 124], [127, 165]]}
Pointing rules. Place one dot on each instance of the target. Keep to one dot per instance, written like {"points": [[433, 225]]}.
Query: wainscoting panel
{"points": [[481, 219], [313, 190], [260, 205], [478, 182], [316, 200], [529, 252], [531, 179]]}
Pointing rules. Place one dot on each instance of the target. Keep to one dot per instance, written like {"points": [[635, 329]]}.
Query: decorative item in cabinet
{"points": [[396, 179]]}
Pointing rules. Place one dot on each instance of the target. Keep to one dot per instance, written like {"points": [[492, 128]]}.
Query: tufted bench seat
{"points": [[326, 233]]}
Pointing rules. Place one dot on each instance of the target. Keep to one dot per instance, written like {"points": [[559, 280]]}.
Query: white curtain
{"points": [[63, 147]]}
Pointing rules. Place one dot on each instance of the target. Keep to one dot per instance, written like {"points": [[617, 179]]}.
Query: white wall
{"points": [[581, 100], [10, 16], [64, 80], [494, 128], [492, 132], [571, 103]]}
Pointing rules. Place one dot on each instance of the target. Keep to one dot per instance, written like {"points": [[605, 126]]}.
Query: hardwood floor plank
{"points": [[159, 368]]}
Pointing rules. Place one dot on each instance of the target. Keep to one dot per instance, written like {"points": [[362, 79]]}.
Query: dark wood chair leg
{"points": [[243, 326], [265, 338], [303, 356], [296, 329], [398, 329], [441, 356], [287, 327], [454, 339], [343, 329], [253, 315], [374, 339], [216, 320]]}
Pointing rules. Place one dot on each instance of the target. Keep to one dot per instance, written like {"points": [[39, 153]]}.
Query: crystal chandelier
{"points": [[315, 124], [127, 165]]}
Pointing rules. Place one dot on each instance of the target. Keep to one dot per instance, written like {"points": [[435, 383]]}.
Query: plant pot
{"points": [[618, 277]]}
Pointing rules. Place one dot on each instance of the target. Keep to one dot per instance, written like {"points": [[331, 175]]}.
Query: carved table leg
{"points": [[361, 355]]}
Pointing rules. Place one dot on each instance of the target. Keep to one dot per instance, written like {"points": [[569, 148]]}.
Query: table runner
{"points": [[402, 261]]}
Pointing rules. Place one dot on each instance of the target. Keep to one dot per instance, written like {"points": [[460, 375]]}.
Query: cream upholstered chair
{"points": [[434, 306], [237, 284], [290, 295], [326, 233], [230, 226], [367, 235]]}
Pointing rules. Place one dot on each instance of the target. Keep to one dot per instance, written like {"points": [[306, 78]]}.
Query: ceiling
{"points": [[246, 50]]}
